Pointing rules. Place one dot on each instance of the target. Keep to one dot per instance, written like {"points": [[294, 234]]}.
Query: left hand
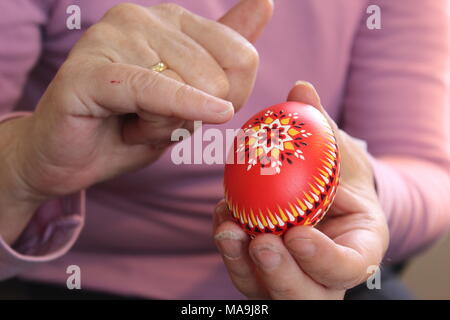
{"points": [[312, 263]]}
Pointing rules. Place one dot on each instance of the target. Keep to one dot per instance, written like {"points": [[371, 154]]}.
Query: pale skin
{"points": [[123, 115]]}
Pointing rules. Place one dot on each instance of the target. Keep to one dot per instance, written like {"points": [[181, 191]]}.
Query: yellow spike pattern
{"points": [[314, 189], [263, 220], [252, 217], [296, 214], [283, 216], [311, 200], [272, 218]]}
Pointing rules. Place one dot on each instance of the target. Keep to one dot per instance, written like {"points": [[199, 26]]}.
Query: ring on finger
{"points": [[159, 67]]}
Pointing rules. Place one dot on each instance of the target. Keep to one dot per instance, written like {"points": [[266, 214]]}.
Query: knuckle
{"points": [[140, 82], [125, 11], [248, 58], [98, 32], [218, 87], [171, 8], [181, 95], [169, 12]]}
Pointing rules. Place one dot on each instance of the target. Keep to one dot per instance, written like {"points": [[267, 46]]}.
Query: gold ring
{"points": [[159, 67]]}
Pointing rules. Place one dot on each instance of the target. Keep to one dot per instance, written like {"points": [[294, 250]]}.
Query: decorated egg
{"points": [[283, 169]]}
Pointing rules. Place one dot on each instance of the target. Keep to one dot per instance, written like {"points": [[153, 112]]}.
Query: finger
{"points": [[123, 89], [226, 42], [190, 61], [150, 128], [229, 38], [305, 92], [164, 43], [137, 51], [232, 243], [329, 263], [249, 17], [364, 230], [173, 75], [280, 273]]}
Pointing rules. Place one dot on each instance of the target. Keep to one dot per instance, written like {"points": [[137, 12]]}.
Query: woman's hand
{"points": [[312, 263], [107, 113]]}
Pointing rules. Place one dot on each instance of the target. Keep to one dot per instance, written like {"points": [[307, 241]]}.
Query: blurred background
{"points": [[428, 275]]}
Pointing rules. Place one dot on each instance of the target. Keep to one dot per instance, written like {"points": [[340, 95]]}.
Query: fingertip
{"points": [[193, 104], [249, 17], [304, 83], [304, 91], [220, 110], [231, 240]]}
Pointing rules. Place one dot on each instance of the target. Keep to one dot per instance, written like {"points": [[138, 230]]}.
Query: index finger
{"points": [[122, 88]]}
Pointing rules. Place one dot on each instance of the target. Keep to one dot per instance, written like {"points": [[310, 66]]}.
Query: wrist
{"points": [[18, 202], [14, 214], [14, 188]]}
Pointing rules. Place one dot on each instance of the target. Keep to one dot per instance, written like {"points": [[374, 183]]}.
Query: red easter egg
{"points": [[283, 169]]}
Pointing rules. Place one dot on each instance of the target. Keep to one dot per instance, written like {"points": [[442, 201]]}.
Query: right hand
{"points": [[106, 113]]}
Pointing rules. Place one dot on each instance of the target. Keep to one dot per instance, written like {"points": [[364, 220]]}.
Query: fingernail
{"points": [[302, 248], [304, 83], [267, 257], [222, 107], [230, 244]]}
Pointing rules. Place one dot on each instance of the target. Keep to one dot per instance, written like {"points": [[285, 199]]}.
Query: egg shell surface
{"points": [[283, 169]]}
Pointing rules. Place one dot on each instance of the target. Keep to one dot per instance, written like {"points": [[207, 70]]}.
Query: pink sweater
{"points": [[149, 233]]}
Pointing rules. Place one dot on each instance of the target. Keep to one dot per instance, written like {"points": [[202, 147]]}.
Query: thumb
{"points": [[306, 93], [249, 17]]}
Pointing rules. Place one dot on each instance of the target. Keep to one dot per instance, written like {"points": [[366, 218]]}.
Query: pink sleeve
{"points": [[397, 101], [56, 225]]}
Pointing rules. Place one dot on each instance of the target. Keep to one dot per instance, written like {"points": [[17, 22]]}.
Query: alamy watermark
{"points": [[73, 21], [374, 280], [74, 279], [373, 22], [236, 146]]}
